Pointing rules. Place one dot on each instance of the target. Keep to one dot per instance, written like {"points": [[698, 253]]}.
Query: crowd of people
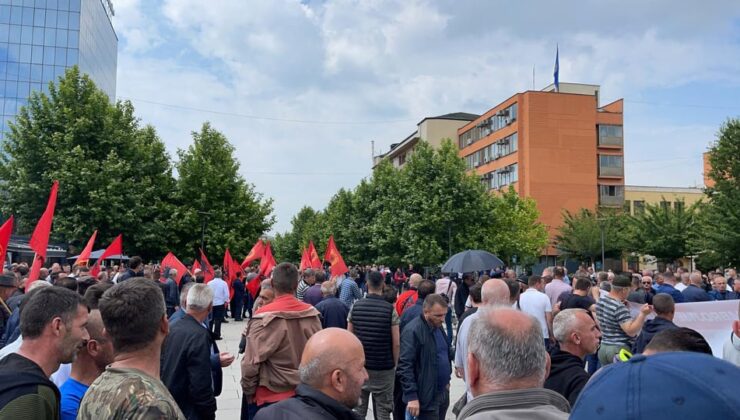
{"points": [[134, 343]]}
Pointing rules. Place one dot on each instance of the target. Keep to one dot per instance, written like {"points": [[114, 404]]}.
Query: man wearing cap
{"points": [[617, 326], [666, 386], [7, 288]]}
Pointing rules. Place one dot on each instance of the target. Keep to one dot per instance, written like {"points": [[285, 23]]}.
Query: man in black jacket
{"points": [[578, 336], [237, 302], [424, 365], [664, 310], [186, 359], [375, 322], [332, 372]]}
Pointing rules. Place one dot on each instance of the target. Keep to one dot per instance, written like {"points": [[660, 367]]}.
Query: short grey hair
{"points": [[184, 293], [564, 323], [172, 273], [200, 297], [505, 353], [328, 288], [312, 372], [266, 284], [36, 285]]}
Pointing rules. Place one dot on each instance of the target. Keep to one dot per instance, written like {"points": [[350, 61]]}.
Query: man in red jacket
{"points": [[408, 298]]}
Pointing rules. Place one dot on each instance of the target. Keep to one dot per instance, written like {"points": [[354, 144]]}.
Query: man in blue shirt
{"points": [[91, 361], [668, 287]]}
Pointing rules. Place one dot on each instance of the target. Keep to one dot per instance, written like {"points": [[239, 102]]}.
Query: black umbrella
{"points": [[471, 260]]}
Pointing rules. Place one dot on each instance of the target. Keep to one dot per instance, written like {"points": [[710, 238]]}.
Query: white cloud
{"points": [[381, 60]]}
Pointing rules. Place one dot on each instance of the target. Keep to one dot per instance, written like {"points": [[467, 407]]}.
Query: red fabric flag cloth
{"points": [[338, 267], [170, 261], [305, 260], [40, 238], [196, 266], [115, 248], [314, 256], [84, 258], [268, 262], [257, 252], [229, 272], [5, 231], [254, 285], [206, 267]]}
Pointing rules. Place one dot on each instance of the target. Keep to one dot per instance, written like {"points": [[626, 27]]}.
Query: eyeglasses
{"points": [[647, 282]]}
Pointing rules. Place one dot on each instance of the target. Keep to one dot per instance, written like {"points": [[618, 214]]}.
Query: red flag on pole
{"points": [[115, 248], [196, 266], [5, 231], [257, 251], [268, 261], [170, 261], [254, 285], [229, 272], [84, 257], [305, 260], [206, 267], [314, 256], [338, 266], [40, 238]]}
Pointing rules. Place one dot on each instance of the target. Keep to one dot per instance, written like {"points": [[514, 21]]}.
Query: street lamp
{"points": [[601, 220], [204, 220]]}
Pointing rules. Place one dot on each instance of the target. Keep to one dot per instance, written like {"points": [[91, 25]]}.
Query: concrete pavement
{"points": [[230, 400]]}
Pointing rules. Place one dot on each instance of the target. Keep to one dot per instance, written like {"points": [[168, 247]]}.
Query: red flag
{"points": [[305, 260], [254, 285], [196, 266], [268, 261], [338, 266], [314, 256], [84, 257], [40, 238], [207, 267], [115, 248], [171, 261], [5, 230], [257, 252], [229, 272]]}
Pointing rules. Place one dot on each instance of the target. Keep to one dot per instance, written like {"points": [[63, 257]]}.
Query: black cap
{"points": [[7, 281]]}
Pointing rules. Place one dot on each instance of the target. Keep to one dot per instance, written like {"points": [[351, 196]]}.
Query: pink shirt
{"points": [[555, 288]]}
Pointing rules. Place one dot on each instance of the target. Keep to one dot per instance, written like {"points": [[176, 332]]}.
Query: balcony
{"points": [[608, 141], [611, 136], [611, 195]]}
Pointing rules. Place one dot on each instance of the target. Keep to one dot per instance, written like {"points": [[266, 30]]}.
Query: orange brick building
{"points": [[560, 148]]}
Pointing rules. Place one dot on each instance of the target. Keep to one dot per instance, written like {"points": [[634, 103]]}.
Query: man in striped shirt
{"points": [[617, 326]]}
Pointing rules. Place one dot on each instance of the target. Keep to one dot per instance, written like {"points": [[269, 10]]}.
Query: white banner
{"points": [[713, 320]]}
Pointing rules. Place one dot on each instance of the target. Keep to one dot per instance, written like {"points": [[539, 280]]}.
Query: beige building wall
{"points": [[434, 131], [636, 196]]}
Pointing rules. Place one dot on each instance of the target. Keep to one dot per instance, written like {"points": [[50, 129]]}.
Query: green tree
{"points": [[579, 236], [719, 244], [287, 246], [517, 232], [665, 232], [114, 175], [209, 188]]}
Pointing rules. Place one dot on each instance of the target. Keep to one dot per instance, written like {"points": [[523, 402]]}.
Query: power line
{"points": [[682, 105], [263, 118]]}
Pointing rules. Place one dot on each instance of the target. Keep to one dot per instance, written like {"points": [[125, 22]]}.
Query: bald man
{"points": [[494, 292], [92, 358], [332, 372]]}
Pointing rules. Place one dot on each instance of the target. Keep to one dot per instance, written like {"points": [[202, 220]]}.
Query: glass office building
{"points": [[39, 39]]}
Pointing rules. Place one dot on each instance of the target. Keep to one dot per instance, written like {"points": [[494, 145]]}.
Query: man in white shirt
{"points": [[534, 302], [731, 349], [684, 283], [220, 299]]}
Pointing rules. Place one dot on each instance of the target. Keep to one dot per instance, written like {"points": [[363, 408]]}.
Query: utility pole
{"points": [[204, 221], [601, 228]]}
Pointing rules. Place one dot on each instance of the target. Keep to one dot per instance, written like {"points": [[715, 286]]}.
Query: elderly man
{"points": [[171, 296], [578, 336], [8, 286], [276, 336], [307, 280], [731, 348], [669, 287], [424, 366], [507, 366], [494, 292], [664, 308], [53, 326], [617, 326], [719, 289], [186, 366], [220, 300], [333, 311], [536, 303], [313, 294], [332, 372], [695, 291]]}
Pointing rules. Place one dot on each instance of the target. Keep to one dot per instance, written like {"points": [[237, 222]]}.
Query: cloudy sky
{"points": [[302, 88]]}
